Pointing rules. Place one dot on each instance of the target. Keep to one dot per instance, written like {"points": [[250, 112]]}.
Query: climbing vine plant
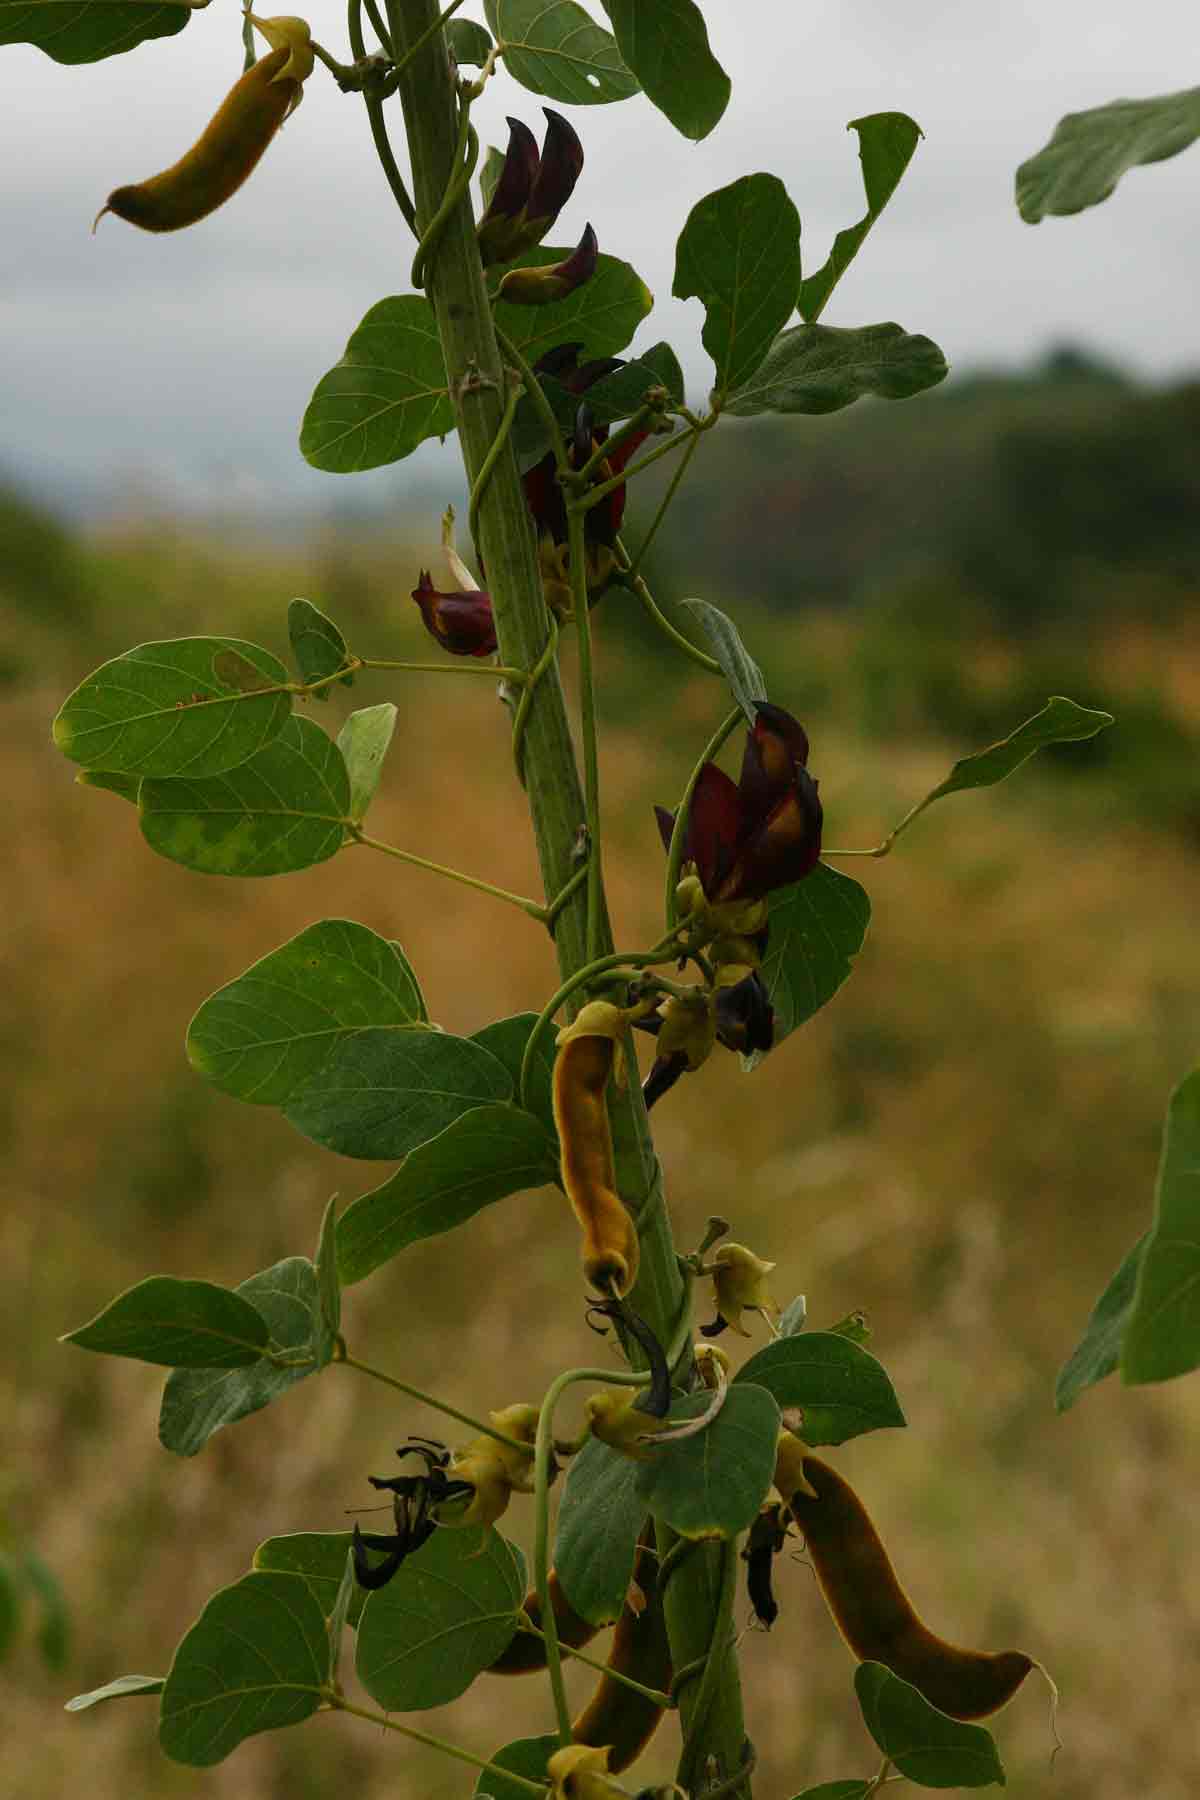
{"points": [[676, 1478]]}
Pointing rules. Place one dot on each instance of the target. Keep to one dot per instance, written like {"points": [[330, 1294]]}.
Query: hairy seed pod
{"points": [[581, 1073], [616, 1716], [222, 157], [875, 1615], [526, 1653]]}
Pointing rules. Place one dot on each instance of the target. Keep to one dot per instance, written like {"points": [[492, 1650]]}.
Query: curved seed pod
{"points": [[875, 1615], [615, 1716], [585, 1060], [225, 153], [526, 1654]]}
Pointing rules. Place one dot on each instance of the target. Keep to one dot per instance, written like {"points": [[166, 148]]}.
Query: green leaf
{"points": [[665, 44], [54, 1625], [256, 1659], [285, 809], [854, 1326], [925, 1745], [162, 709], [524, 1756], [552, 47], [337, 1618], [181, 1324], [601, 316], [317, 645], [197, 1402], [841, 1388], [817, 929], [381, 1093], [1162, 1336], [1059, 722], [743, 674], [127, 786], [505, 1039], [264, 1035], [792, 1318], [318, 1559], [469, 43], [822, 368], [486, 1154], [445, 1616], [363, 742], [386, 396], [1090, 151], [599, 1517], [489, 174], [122, 1688], [886, 142], [739, 253], [83, 31], [713, 1484], [837, 1790], [1099, 1349], [619, 395], [329, 1288]]}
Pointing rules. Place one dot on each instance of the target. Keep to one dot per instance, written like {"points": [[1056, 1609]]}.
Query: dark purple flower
{"points": [[762, 832], [745, 1016], [554, 281], [532, 190], [461, 623]]}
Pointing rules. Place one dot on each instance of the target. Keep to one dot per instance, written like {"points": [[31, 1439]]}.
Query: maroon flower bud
{"points": [[532, 190], [461, 623], [763, 832], [537, 287]]}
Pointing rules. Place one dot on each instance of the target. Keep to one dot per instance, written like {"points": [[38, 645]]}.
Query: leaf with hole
{"points": [[84, 31], [739, 254], [926, 1746], [1162, 1334], [842, 1390], [665, 44], [485, 1155], [713, 1484], [817, 928], [743, 674], [181, 1324], [163, 709], [599, 1517], [317, 645], [285, 809], [1090, 151], [264, 1035], [197, 1402], [1098, 1351], [445, 1616], [363, 741], [823, 368], [386, 396], [256, 1660], [886, 142], [552, 47]]}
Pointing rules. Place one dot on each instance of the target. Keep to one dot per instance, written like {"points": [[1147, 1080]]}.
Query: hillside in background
{"points": [[963, 1143]]}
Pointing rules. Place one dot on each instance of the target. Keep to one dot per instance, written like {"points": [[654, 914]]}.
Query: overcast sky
{"points": [[185, 361]]}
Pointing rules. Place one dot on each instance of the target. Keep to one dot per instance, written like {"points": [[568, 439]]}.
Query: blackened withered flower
{"points": [[538, 287], [745, 1018], [532, 189], [461, 622], [762, 832]]}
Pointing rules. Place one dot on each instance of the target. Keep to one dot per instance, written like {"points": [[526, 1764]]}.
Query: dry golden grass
{"points": [[963, 1144]]}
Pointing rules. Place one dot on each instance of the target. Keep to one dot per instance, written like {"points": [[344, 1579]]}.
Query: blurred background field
{"points": [[963, 1143]]}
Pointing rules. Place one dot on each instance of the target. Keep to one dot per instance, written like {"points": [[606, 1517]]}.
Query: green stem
{"points": [[638, 587], [580, 478], [637, 1687], [719, 1647], [492, 458], [429, 32], [466, 154], [598, 493], [533, 908], [497, 671], [338, 1703], [667, 951], [375, 117], [543, 1451], [664, 504], [577, 553], [537, 395], [378, 27], [416, 1393], [679, 834]]}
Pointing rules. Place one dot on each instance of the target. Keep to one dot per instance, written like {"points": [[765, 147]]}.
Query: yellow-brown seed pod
{"points": [[232, 143], [587, 1053]]}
